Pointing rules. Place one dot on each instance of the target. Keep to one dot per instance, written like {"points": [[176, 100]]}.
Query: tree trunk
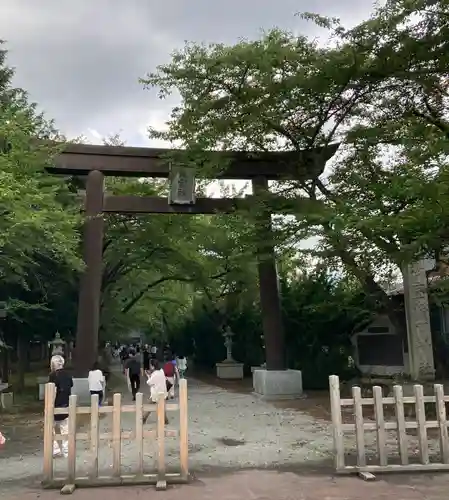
{"points": [[22, 354], [5, 365]]}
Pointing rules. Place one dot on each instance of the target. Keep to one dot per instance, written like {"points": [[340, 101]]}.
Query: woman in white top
{"points": [[97, 384], [158, 385]]}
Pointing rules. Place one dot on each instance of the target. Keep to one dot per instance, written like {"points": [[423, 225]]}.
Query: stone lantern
{"points": [[229, 368], [57, 345]]}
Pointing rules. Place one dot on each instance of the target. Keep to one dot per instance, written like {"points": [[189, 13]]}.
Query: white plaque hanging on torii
{"points": [[182, 185]]}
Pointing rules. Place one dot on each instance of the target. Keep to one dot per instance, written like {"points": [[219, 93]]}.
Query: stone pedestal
{"points": [[81, 389], [419, 334], [277, 384], [6, 400], [230, 370], [41, 381]]}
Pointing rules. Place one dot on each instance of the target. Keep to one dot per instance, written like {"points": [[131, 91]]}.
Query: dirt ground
{"points": [[269, 485], [240, 448]]}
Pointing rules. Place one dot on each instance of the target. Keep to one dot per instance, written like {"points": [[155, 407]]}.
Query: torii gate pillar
{"points": [[89, 301]]}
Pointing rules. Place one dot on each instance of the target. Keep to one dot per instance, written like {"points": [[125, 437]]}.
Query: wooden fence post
{"points": [[94, 435], [139, 432], [50, 392], [116, 435], [334, 388], [380, 425], [359, 431], [442, 422], [71, 463], [400, 421], [421, 421], [161, 478], [183, 429]]}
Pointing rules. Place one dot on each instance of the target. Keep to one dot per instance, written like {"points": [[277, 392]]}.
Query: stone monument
{"points": [[417, 315], [229, 368]]}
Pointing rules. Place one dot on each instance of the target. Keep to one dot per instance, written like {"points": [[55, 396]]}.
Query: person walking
{"points": [[97, 382], [146, 358], [124, 356], [132, 372], [171, 374], [64, 383], [158, 385], [181, 363]]}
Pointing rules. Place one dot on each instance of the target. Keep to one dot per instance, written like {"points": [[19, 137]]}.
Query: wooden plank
{"points": [[85, 410], [116, 435], [394, 468], [380, 423], [400, 421], [421, 421], [68, 489], [108, 436], [334, 389], [161, 438], [139, 432], [50, 392], [390, 400], [94, 435], [442, 422], [366, 476], [391, 426], [183, 429], [71, 462], [359, 432], [125, 480]]}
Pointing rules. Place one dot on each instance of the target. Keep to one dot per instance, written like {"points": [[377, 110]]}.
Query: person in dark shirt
{"points": [[146, 359], [132, 372], [124, 356], [64, 383]]}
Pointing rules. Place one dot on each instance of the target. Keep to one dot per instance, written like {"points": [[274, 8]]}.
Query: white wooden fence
{"points": [[381, 427], [160, 478]]}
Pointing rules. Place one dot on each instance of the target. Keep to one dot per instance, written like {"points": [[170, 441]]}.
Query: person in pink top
{"points": [[2, 439]]}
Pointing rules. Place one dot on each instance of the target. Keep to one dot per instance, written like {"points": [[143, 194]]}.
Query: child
{"points": [[97, 382]]}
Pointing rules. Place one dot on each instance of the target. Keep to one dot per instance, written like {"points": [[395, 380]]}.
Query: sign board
{"points": [[182, 185]]}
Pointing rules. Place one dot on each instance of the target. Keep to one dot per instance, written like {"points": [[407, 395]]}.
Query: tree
{"points": [[285, 92], [39, 216]]}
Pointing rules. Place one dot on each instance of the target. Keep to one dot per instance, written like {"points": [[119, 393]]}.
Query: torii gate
{"points": [[95, 162]]}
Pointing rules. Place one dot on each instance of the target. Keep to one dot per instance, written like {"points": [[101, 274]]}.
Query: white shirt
{"points": [[157, 384], [96, 380]]}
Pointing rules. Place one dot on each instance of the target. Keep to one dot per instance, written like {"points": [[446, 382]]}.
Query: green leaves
{"points": [[39, 219], [380, 89]]}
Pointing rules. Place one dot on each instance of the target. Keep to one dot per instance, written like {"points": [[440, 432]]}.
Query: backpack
{"points": [[169, 369]]}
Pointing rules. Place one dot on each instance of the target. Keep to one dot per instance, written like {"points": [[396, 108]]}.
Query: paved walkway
{"points": [[240, 447]]}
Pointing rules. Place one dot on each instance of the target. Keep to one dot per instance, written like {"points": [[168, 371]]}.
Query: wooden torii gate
{"points": [[95, 162]]}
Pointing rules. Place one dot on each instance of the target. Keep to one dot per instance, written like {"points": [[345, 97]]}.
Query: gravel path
{"points": [[227, 430]]}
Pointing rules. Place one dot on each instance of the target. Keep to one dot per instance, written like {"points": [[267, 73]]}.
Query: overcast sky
{"points": [[81, 59]]}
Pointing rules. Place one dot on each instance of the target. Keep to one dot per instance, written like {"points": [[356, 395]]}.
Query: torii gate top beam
{"points": [[80, 159]]}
